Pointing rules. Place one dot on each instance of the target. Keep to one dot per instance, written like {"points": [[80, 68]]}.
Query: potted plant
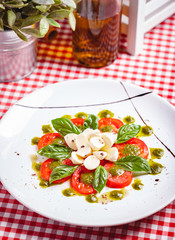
{"points": [[21, 22]]}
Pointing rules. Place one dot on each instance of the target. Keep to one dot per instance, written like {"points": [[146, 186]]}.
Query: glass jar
{"points": [[96, 37]]}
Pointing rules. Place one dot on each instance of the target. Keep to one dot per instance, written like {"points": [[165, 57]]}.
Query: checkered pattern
{"points": [[154, 69]]}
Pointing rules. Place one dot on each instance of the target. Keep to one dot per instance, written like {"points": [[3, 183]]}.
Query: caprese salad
{"points": [[93, 152]]}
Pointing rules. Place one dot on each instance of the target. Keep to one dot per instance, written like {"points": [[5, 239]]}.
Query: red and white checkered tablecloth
{"points": [[154, 69]]}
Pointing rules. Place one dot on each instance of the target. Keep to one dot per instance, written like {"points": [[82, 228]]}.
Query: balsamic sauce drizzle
{"points": [[169, 150], [87, 105]]}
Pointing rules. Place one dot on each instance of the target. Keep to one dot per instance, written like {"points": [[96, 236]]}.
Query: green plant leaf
{"points": [[100, 178], [55, 151], [127, 132], [134, 164], [43, 2], [11, 17], [42, 8], [53, 22], [72, 21], [32, 31], [61, 172], [64, 126], [31, 20], [20, 35], [44, 26], [1, 25], [1, 6], [16, 5], [69, 3], [59, 14], [91, 122]]}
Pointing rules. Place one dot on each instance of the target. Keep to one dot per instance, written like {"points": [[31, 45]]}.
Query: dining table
{"points": [[152, 69]]}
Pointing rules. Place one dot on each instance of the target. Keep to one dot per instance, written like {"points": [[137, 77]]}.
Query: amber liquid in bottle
{"points": [[96, 38]]}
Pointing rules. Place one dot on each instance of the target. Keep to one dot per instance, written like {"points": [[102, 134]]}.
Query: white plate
{"points": [[24, 120]]}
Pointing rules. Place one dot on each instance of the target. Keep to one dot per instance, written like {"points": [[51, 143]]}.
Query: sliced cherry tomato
{"points": [[79, 186], [142, 148], [45, 171], [78, 121], [120, 181], [112, 122], [68, 162], [47, 139], [103, 162]]}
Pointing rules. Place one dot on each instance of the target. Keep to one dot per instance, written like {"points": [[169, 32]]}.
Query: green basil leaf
{"points": [[127, 132], [134, 164], [91, 122], [100, 178], [61, 172], [54, 151], [64, 126]]}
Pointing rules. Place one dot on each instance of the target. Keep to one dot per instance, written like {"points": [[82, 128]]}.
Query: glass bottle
{"points": [[95, 40]]}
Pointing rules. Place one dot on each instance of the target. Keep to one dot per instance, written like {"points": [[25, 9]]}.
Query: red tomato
{"points": [[144, 151], [68, 162], [120, 181], [79, 186], [47, 139], [78, 121], [45, 171], [113, 122]]}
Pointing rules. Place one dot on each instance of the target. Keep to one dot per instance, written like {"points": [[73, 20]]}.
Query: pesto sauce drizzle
{"points": [[137, 184], [145, 131], [68, 192], [67, 116], [156, 153], [130, 150], [111, 196], [128, 119], [81, 115], [105, 114], [156, 168], [47, 129], [35, 141], [36, 167]]}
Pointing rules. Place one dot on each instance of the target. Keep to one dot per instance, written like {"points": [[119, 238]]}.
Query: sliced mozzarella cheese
{"points": [[76, 159], [112, 154], [91, 162], [81, 141], [88, 133], [71, 140], [109, 139], [96, 143], [100, 154], [84, 151]]}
